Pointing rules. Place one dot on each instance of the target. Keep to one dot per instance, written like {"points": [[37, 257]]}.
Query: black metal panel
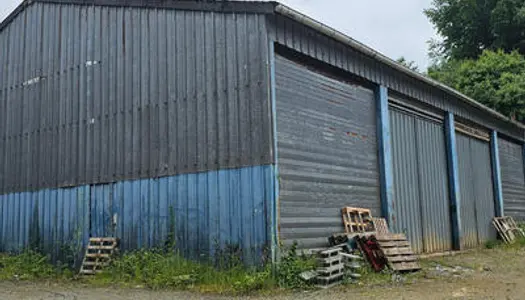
{"points": [[327, 152], [94, 94], [420, 180], [306, 40], [476, 189], [512, 178]]}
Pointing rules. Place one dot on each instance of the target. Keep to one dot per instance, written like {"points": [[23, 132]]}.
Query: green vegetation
{"points": [[468, 27], [29, 265], [480, 51], [164, 269]]}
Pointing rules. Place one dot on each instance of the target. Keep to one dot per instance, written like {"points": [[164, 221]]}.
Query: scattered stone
{"points": [[487, 269], [308, 275], [355, 275]]}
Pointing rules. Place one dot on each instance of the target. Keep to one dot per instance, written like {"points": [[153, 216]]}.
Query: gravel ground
{"points": [[486, 274]]}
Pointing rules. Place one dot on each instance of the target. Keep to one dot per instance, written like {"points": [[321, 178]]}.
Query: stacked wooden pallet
{"points": [[508, 229], [398, 252], [357, 220], [99, 253]]}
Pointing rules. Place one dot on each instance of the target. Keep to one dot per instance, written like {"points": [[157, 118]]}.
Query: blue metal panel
{"points": [[224, 210], [385, 156], [55, 221], [496, 173], [453, 177]]}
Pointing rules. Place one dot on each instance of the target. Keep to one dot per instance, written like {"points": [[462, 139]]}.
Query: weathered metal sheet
{"points": [[55, 221], [327, 152], [512, 178], [96, 94], [303, 39], [206, 212], [476, 188], [420, 181]]}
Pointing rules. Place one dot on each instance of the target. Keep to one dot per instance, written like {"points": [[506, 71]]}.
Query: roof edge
{"points": [[215, 6], [345, 39]]}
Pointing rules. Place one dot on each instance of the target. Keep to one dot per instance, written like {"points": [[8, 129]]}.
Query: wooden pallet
{"points": [[99, 253], [357, 220], [508, 229], [381, 226], [398, 252]]}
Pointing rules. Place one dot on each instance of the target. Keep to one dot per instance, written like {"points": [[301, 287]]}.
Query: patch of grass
{"points": [[493, 244], [28, 265], [157, 269]]}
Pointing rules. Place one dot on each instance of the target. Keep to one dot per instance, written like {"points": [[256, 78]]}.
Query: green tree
{"points": [[409, 64], [468, 27], [496, 79]]}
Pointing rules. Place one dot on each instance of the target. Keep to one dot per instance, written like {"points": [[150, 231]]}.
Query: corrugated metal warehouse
{"points": [[233, 125]]}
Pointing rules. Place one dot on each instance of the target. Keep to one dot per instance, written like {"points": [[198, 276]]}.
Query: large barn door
{"points": [[512, 178], [420, 180], [327, 152], [476, 188]]}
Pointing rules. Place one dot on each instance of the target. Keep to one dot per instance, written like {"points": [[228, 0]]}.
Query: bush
{"points": [[290, 266], [28, 265]]}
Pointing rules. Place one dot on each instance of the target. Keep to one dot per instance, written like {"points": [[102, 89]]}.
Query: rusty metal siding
{"points": [[420, 181], [303, 39], [204, 212], [327, 147], [512, 178], [476, 188], [94, 94]]}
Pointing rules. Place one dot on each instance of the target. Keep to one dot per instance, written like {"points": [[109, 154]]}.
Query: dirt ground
{"points": [[483, 274]]}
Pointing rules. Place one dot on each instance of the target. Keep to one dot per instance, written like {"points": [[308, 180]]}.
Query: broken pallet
{"points": [[357, 220], [99, 253], [398, 252], [508, 229]]}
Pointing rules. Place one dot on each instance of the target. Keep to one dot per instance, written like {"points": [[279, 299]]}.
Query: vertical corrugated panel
{"points": [[327, 152], [467, 192], [433, 184], [512, 178], [483, 185], [301, 38], [420, 181], [406, 178], [95, 94], [206, 212], [55, 221], [476, 188]]}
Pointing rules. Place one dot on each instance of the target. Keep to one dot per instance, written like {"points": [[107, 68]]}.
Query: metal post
{"points": [[496, 174], [275, 203], [453, 180], [385, 156]]}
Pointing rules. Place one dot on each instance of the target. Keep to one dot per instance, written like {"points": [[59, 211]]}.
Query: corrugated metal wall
{"points": [[512, 178], [476, 190], [55, 221], [327, 152], [92, 94], [206, 212], [303, 39], [420, 181]]}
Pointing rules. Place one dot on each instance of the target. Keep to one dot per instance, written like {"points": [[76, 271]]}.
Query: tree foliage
{"points": [[469, 27], [496, 79], [409, 64]]}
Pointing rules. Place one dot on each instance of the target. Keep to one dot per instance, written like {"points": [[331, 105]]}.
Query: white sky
{"points": [[394, 28]]}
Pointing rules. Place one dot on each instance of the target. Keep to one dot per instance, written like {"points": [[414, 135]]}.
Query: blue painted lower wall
{"points": [[225, 210]]}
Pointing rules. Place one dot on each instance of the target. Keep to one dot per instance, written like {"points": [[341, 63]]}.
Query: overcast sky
{"points": [[394, 28]]}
